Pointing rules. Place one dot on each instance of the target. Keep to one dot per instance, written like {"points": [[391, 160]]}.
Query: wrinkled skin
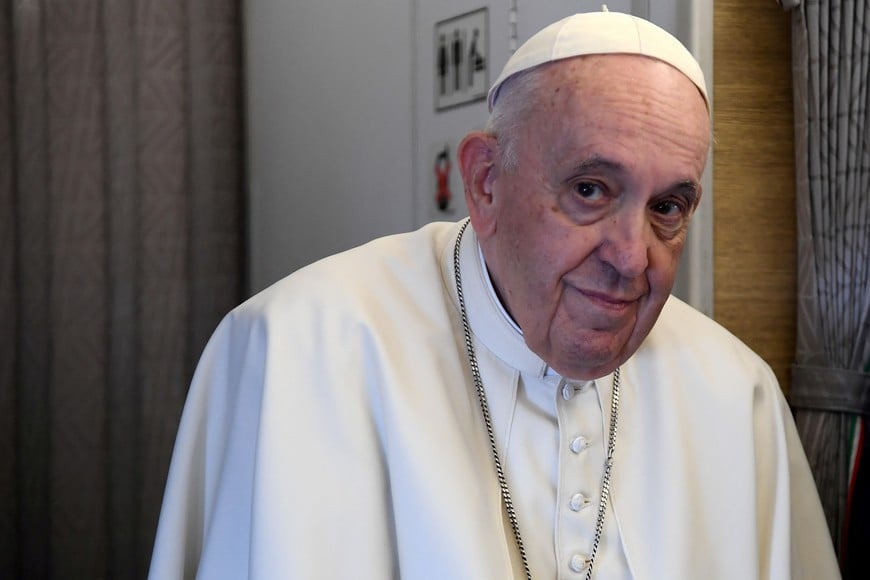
{"points": [[583, 238]]}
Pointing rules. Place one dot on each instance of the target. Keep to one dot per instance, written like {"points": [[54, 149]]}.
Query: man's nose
{"points": [[626, 244]]}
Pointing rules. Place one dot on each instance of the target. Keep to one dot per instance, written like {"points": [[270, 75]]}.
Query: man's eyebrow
{"points": [[688, 187], [598, 163]]}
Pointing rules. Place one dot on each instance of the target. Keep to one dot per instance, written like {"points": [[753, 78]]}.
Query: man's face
{"points": [[583, 237]]}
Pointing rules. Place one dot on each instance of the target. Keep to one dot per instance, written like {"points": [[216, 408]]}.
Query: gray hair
{"points": [[516, 99]]}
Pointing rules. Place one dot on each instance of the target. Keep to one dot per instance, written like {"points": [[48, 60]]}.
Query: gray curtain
{"points": [[831, 385], [120, 249]]}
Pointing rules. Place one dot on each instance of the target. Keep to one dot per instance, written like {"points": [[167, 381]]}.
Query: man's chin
{"points": [[587, 363]]}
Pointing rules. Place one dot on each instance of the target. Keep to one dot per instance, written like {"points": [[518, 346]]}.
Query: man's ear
{"points": [[476, 156]]}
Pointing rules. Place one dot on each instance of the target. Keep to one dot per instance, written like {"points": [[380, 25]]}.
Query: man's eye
{"points": [[669, 208], [589, 191], [673, 216]]}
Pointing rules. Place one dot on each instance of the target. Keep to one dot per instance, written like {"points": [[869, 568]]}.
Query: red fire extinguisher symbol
{"points": [[442, 179]]}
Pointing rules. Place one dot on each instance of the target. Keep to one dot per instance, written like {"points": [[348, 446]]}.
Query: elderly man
{"points": [[518, 398]]}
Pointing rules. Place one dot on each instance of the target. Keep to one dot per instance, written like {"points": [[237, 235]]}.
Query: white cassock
{"points": [[332, 431]]}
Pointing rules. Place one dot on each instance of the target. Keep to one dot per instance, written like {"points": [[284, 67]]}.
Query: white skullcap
{"points": [[601, 33]]}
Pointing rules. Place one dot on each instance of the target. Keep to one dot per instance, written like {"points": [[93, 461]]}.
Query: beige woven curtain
{"points": [[120, 249], [831, 376]]}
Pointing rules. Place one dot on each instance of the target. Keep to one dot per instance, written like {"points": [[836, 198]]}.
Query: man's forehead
{"points": [[612, 69], [579, 105]]}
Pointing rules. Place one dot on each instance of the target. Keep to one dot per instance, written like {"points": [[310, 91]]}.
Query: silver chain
{"points": [[484, 409]]}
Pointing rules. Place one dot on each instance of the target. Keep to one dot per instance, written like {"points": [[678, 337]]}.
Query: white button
{"points": [[578, 563], [567, 392], [578, 502], [578, 444]]}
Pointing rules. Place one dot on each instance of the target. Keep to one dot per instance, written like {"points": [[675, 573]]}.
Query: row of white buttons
{"points": [[578, 502], [578, 562]]}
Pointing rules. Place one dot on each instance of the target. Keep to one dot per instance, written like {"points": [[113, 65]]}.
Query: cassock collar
{"points": [[490, 323]]}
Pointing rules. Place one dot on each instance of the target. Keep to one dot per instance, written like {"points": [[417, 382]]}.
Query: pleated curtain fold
{"points": [[121, 241], [831, 376]]}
